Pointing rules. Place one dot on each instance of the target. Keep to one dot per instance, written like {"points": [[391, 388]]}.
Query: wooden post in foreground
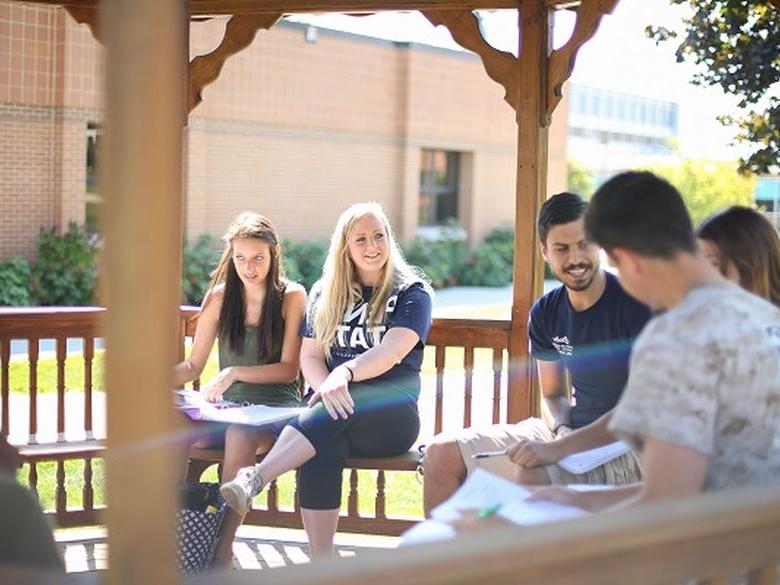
{"points": [[531, 191], [145, 102]]}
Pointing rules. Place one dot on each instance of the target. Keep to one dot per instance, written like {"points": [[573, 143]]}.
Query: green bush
{"points": [[502, 240], [490, 263], [303, 261], [290, 263], [441, 259], [198, 260], [65, 272], [485, 266], [15, 282]]}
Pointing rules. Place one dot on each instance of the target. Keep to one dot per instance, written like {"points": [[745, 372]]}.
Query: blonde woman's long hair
{"points": [[339, 288]]}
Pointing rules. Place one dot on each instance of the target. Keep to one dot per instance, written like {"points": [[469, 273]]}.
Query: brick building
{"points": [[299, 125]]}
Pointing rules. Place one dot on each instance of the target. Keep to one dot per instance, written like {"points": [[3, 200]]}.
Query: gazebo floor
{"points": [[256, 548]]}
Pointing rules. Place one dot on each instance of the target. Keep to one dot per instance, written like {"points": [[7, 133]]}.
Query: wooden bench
{"points": [[450, 401]]}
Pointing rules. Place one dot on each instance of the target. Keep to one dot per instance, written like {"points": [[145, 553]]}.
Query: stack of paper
{"points": [[482, 490]]}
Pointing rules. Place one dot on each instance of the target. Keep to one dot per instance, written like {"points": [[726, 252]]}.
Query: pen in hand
{"points": [[486, 454]]}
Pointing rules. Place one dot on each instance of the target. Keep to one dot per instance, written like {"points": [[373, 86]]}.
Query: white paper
{"points": [[481, 490], [197, 407], [428, 531], [588, 460], [191, 399], [256, 414]]}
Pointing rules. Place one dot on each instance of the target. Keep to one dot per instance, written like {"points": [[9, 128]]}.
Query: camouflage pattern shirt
{"points": [[706, 375]]}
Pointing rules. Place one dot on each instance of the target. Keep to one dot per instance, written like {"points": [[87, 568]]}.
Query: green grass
{"points": [[19, 373], [74, 482], [46, 370]]}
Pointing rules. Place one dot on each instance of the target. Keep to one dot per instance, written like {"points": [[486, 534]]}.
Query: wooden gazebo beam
{"points": [[462, 23], [221, 7]]}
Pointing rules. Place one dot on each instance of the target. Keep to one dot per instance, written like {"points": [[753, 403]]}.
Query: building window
{"points": [[439, 174], [92, 197]]}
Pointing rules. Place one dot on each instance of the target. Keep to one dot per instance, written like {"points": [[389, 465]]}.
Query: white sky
{"points": [[619, 57]]}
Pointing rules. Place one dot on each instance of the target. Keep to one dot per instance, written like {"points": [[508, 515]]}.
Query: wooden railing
{"points": [[466, 382], [59, 439], [716, 538]]}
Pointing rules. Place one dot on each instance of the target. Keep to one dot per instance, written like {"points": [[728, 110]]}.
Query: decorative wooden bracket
{"points": [[561, 62], [239, 34], [500, 66], [88, 15]]}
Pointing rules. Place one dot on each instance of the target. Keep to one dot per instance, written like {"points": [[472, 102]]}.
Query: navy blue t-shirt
{"points": [[409, 307], [594, 345]]}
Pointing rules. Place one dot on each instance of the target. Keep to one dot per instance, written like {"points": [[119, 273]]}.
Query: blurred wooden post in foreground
{"points": [[145, 101]]}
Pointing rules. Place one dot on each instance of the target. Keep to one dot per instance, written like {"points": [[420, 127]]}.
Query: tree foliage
{"points": [[736, 45], [709, 186], [579, 179]]}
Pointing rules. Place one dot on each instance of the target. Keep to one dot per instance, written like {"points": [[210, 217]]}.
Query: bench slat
{"points": [[405, 462], [61, 451]]}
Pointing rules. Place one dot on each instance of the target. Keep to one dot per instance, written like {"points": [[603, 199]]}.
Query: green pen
{"points": [[489, 511]]}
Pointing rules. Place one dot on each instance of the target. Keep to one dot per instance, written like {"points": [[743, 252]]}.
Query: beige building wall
{"points": [[50, 69], [294, 129]]}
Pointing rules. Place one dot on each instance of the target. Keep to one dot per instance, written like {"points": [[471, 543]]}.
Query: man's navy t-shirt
{"points": [[407, 306], [594, 345]]}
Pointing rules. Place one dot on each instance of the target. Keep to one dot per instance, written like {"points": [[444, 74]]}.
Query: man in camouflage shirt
{"points": [[703, 395]]}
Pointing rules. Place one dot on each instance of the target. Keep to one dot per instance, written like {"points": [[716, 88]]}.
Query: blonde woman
{"points": [[256, 314], [365, 328]]}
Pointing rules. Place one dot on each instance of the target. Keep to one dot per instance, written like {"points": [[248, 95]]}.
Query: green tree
{"points": [[579, 179], [736, 45], [709, 186]]}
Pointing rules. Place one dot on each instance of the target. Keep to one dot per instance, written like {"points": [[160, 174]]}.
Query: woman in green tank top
{"points": [[256, 314]]}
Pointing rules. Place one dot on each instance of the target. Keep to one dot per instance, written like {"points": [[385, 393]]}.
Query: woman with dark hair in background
{"points": [[744, 246], [256, 315]]}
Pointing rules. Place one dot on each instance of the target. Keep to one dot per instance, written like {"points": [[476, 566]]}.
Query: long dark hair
{"points": [[746, 239], [231, 328]]}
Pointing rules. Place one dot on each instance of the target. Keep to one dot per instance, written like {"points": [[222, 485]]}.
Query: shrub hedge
{"points": [[65, 272]]}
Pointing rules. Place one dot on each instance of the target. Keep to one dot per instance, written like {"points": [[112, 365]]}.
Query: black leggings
{"points": [[385, 423]]}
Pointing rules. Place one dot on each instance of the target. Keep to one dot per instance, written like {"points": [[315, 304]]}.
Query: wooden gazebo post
{"points": [[145, 107], [531, 190]]}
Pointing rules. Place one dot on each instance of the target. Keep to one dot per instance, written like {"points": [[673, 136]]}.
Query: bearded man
{"points": [[585, 328]]}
